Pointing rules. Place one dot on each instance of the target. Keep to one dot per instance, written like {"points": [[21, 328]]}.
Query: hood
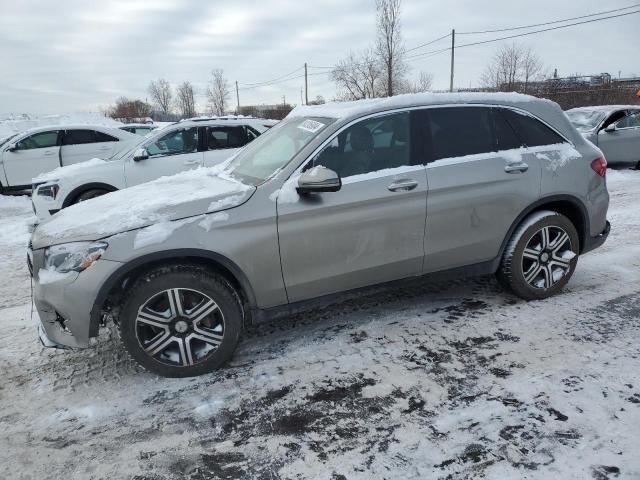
{"points": [[94, 166], [184, 195]]}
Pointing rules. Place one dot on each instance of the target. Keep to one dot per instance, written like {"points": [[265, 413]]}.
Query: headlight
{"points": [[49, 191], [77, 256]]}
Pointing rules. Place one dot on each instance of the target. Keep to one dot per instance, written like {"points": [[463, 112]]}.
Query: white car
{"points": [[39, 150], [181, 146]]}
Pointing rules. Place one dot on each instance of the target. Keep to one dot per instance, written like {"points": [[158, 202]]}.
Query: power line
{"points": [[266, 82], [546, 23], [435, 52], [428, 43], [272, 83]]}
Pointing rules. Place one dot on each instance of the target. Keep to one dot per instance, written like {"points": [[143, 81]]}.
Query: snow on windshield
{"points": [[585, 119], [143, 204]]}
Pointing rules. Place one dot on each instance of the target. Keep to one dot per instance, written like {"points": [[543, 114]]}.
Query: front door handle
{"points": [[516, 168], [48, 152], [192, 162], [402, 185]]}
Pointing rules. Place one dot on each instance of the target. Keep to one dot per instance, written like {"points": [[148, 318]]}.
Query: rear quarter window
{"points": [[532, 131]]}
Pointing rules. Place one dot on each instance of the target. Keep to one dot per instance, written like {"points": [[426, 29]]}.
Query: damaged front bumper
{"points": [[64, 306]]}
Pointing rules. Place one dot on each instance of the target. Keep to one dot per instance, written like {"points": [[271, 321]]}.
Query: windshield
{"points": [[586, 119], [274, 149], [6, 139]]}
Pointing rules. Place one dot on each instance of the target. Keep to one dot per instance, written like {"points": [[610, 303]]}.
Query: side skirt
{"points": [[275, 313]]}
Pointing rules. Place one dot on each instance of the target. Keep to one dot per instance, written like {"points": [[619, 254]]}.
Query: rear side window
{"points": [[630, 121], [506, 138], [77, 137], [103, 137], [532, 131], [226, 137], [40, 140], [460, 131]]}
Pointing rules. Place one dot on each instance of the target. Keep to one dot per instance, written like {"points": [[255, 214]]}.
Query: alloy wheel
{"points": [[547, 257], [179, 327]]}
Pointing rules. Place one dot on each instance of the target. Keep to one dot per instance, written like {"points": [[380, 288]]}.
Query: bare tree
{"points": [[218, 92], [161, 94], [423, 84], [532, 67], [389, 46], [358, 76], [185, 99], [512, 68]]}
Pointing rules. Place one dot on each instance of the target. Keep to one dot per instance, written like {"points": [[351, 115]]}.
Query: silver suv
{"points": [[333, 199]]}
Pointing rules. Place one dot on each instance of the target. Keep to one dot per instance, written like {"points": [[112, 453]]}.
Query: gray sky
{"points": [[80, 55]]}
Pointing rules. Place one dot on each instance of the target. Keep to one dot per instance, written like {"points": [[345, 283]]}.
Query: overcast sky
{"points": [[80, 55]]}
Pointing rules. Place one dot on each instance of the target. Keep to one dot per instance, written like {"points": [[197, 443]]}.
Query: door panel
{"points": [[173, 153], [622, 145], [479, 182], [80, 145], [40, 153], [372, 230]]}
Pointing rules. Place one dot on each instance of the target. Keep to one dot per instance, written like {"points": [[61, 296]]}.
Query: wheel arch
{"points": [[112, 287], [568, 205], [73, 195]]}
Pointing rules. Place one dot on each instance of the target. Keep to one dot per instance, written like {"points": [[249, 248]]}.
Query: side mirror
{"points": [[140, 154], [319, 179], [15, 147], [610, 128]]}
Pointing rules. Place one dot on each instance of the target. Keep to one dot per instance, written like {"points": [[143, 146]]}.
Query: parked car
{"points": [[615, 129], [28, 154], [167, 151], [333, 199], [138, 128]]}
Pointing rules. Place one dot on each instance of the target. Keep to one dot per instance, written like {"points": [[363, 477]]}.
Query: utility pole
{"points": [[453, 49], [306, 85], [237, 99]]}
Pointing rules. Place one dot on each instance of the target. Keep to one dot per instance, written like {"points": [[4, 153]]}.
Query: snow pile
{"points": [[156, 233], [288, 193], [20, 123], [144, 204], [385, 172], [209, 220], [67, 171]]}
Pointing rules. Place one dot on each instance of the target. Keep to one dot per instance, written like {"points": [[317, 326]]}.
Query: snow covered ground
{"points": [[447, 380]]}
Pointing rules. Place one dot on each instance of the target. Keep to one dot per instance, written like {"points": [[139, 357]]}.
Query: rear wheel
{"points": [[181, 321], [89, 194], [541, 256]]}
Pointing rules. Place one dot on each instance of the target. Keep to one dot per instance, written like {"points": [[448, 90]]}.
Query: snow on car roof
{"points": [[361, 107]]}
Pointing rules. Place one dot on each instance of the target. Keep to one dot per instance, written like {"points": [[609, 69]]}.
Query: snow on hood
{"points": [[168, 198], [68, 170]]}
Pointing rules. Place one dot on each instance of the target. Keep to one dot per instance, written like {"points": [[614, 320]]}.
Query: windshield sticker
{"points": [[311, 126]]}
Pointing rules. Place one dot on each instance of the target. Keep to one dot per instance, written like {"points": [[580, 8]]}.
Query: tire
{"points": [[190, 336], [89, 194], [535, 264]]}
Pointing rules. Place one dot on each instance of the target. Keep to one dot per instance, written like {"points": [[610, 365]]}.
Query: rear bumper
{"points": [[592, 243]]}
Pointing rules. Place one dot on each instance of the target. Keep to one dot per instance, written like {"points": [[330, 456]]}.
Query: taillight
{"points": [[599, 165]]}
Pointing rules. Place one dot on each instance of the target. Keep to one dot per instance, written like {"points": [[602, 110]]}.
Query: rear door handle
{"points": [[402, 185], [48, 152], [516, 168]]}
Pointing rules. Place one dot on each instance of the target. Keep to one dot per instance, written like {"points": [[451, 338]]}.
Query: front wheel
{"points": [[541, 256], [89, 194], [181, 321]]}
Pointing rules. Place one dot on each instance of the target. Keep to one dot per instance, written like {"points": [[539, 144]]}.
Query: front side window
{"points": [[267, 154], [174, 143], [532, 131], [40, 140], [226, 137], [506, 138], [78, 137], [630, 121], [369, 146]]}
